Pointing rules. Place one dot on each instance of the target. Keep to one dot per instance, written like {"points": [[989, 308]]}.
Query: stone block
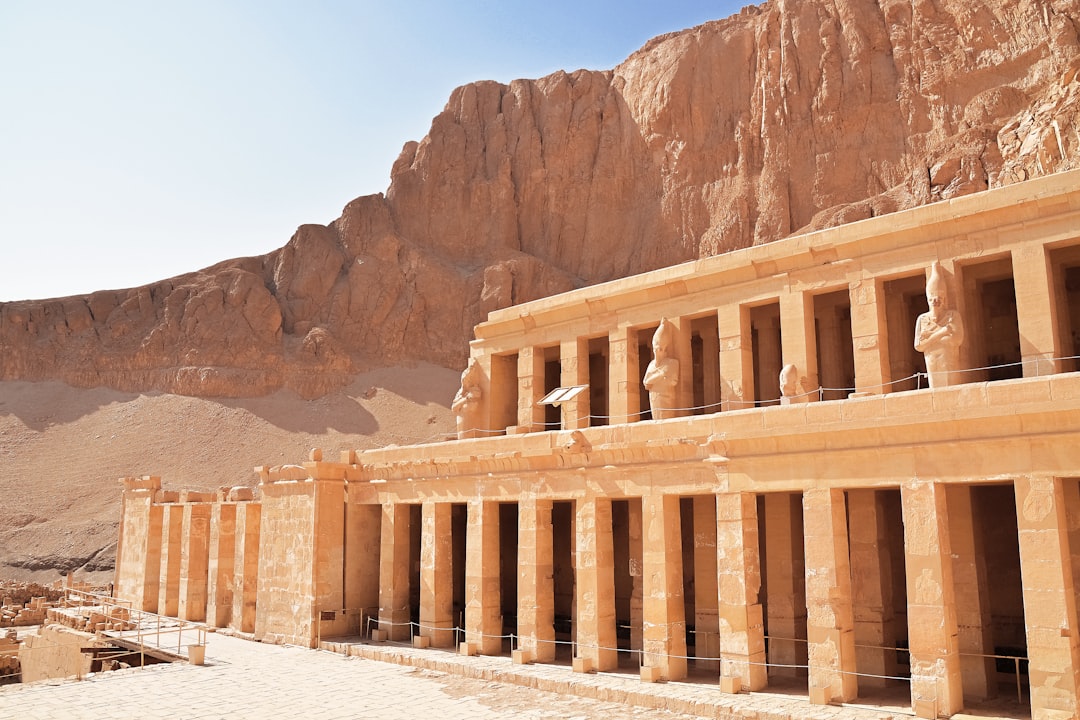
{"points": [[583, 665], [820, 695], [521, 657], [379, 635], [421, 642], [731, 684], [467, 649], [651, 674]]}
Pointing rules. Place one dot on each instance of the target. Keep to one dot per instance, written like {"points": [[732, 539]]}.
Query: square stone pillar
{"points": [[797, 338], [362, 545], [530, 388], [246, 565], [536, 584], [394, 572], [830, 620], [785, 583], [597, 644], [194, 561], [1043, 508], [738, 562], [138, 551], [663, 608], [872, 588], [172, 534], [636, 533], [706, 586], [624, 395], [736, 358], [973, 619], [710, 371], [682, 350], [221, 568], [869, 330], [1036, 311], [437, 575], [574, 363], [483, 592], [936, 689]]}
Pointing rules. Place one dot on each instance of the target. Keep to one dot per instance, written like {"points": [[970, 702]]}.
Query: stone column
{"points": [[437, 575], [830, 619], [328, 552], [221, 569], [624, 398], [1043, 508], [736, 358], [872, 591], [394, 573], [681, 350], [635, 533], [530, 388], [936, 689], [973, 620], [742, 631], [785, 584], [663, 608], [769, 361], [483, 592], [797, 337], [710, 370], [536, 585], [574, 362], [362, 545], [172, 533], [138, 550], [1036, 311], [706, 586], [868, 332], [597, 644], [246, 564], [155, 532], [194, 561]]}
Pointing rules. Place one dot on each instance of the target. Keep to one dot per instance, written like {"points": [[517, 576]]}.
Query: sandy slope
{"points": [[62, 451]]}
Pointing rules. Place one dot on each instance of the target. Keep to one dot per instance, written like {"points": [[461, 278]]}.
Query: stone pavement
{"points": [[244, 679]]}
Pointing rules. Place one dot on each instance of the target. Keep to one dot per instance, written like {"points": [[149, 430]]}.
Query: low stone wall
{"points": [[55, 652]]}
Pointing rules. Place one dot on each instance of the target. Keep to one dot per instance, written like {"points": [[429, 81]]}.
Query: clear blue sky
{"points": [[140, 140]]}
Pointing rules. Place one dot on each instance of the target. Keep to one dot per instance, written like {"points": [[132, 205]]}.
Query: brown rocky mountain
{"points": [[789, 116], [785, 117]]}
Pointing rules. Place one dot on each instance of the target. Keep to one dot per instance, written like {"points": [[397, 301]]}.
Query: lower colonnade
{"points": [[907, 548]]}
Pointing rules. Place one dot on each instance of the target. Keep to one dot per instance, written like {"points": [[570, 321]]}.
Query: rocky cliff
{"points": [[793, 115]]}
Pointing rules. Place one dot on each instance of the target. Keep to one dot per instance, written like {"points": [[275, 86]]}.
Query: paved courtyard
{"points": [[244, 679]]}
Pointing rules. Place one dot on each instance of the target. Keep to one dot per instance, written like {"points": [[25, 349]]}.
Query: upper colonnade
{"points": [[840, 306]]}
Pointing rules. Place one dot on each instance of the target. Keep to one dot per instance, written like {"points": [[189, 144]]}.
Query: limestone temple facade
{"points": [[842, 525]]}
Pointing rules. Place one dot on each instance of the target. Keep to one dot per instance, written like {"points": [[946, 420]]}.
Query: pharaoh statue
{"points": [[789, 385], [939, 332], [662, 374], [466, 403]]}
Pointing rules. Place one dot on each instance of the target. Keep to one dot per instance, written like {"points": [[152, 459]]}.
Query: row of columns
{"points": [[1037, 314], [197, 561], [849, 618]]}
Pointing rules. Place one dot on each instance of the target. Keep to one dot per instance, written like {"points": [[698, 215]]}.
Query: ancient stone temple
{"points": [[865, 474]]}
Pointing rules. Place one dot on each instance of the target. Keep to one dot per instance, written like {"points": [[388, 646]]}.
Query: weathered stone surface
{"points": [[788, 116]]}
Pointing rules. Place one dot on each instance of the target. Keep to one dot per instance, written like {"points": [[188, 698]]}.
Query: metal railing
{"points": [[149, 631]]}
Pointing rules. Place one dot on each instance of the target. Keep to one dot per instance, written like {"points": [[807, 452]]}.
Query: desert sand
{"points": [[63, 449]]}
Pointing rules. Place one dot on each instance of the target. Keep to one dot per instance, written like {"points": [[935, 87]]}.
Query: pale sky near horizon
{"points": [[141, 140]]}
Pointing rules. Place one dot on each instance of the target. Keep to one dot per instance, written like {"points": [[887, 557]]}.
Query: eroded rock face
{"points": [[791, 116]]}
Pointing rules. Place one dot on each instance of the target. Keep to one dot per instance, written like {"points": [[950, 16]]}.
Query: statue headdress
{"points": [[936, 285], [664, 335]]}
